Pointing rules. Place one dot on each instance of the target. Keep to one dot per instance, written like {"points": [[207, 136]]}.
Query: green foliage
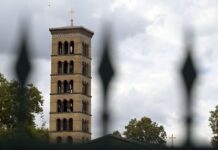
{"points": [[8, 104], [117, 133], [146, 131], [40, 134], [214, 126]]}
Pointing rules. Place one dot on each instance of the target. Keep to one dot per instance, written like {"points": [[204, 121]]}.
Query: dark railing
{"points": [[106, 72]]}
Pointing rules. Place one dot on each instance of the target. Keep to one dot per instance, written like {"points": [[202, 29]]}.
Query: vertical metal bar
{"points": [[189, 75], [22, 69], [106, 73]]}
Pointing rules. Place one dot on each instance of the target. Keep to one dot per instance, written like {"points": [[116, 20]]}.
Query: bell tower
{"points": [[70, 97]]}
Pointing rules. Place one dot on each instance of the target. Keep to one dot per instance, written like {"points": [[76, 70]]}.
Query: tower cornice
{"points": [[71, 29]]}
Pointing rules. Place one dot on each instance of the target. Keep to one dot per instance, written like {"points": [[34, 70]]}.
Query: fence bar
{"points": [[106, 73]]}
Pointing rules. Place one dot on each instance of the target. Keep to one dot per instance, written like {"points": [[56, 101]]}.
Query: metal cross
{"points": [[172, 138], [71, 16]]}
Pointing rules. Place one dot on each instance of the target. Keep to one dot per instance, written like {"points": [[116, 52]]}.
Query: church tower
{"points": [[70, 97]]}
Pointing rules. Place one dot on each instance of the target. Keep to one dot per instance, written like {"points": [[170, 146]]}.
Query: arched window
{"points": [[64, 124], [69, 140], [59, 67], [65, 105], [83, 125], [58, 139], [87, 70], [71, 67], [71, 105], [85, 88], [71, 47], [65, 47], [65, 86], [59, 48], [71, 86], [84, 69], [59, 87], [70, 124], [58, 125], [85, 48], [65, 67], [59, 106], [87, 126], [85, 107]]}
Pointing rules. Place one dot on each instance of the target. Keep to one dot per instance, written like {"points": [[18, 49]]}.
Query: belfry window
{"points": [[59, 48], [58, 124], [65, 67], [71, 47], [65, 86], [59, 67], [71, 86], [65, 47], [71, 105], [85, 49], [85, 125], [85, 88], [59, 87], [64, 124], [59, 106], [86, 72], [65, 106], [85, 107], [71, 70], [85, 69], [70, 124]]}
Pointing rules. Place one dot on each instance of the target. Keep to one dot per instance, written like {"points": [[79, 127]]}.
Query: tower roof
{"points": [[71, 29]]}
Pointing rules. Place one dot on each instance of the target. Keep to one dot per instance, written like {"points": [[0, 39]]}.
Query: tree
{"points": [[145, 130], [214, 126], [8, 103], [40, 134], [117, 133]]}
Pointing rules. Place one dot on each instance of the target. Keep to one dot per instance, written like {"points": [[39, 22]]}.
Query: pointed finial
{"points": [[71, 17]]}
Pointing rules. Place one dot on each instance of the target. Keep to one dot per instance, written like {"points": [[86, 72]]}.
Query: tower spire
{"points": [[71, 17]]}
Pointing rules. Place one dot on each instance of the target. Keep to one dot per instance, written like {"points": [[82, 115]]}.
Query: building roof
{"points": [[113, 142], [71, 29]]}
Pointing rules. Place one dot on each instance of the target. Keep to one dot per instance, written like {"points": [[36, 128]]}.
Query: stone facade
{"points": [[70, 98]]}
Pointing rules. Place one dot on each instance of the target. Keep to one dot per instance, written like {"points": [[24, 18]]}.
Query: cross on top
{"points": [[71, 16], [172, 139]]}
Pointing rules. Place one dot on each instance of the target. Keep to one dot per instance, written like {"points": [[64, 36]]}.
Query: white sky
{"points": [[148, 46]]}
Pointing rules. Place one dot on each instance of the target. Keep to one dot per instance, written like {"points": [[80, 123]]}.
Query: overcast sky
{"points": [[148, 47]]}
